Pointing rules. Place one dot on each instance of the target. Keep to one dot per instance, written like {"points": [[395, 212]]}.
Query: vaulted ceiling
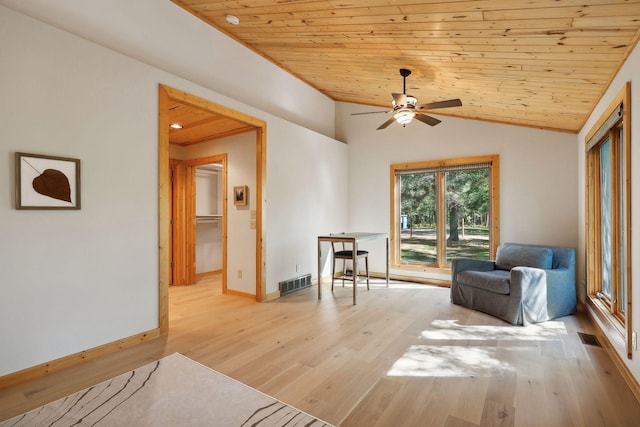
{"points": [[537, 63]]}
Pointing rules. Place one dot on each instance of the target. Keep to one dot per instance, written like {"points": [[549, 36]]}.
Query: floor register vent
{"points": [[589, 339], [296, 284]]}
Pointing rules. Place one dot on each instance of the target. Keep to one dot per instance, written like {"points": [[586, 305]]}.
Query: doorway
{"points": [[227, 122], [198, 224]]}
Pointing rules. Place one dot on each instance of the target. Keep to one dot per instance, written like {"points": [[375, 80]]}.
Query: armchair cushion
{"points": [[494, 281], [510, 256]]}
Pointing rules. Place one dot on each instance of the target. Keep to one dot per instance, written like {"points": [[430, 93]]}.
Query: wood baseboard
{"points": [[240, 294], [422, 280], [271, 296], [207, 274], [631, 381], [413, 279], [75, 359]]}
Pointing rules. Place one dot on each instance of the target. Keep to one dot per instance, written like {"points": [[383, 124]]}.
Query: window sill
{"points": [[421, 268]]}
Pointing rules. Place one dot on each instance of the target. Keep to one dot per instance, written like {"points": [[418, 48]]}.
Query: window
{"points": [[444, 209], [608, 178]]}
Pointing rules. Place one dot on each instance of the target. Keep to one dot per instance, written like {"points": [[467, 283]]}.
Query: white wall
{"points": [[163, 35], [208, 193], [208, 246], [74, 280], [306, 195], [629, 72], [538, 172]]}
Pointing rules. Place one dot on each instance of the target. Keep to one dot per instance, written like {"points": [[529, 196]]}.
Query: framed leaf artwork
{"points": [[47, 182]]}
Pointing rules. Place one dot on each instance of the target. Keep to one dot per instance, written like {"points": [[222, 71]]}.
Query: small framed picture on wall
{"points": [[47, 182], [240, 195]]}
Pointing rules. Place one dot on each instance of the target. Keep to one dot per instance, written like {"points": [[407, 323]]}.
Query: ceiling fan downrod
{"points": [[404, 73]]}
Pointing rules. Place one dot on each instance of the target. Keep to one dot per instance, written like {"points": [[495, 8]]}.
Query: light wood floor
{"points": [[404, 356]]}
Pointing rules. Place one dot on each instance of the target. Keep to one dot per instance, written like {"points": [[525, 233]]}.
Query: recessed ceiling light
{"points": [[233, 20], [175, 126]]}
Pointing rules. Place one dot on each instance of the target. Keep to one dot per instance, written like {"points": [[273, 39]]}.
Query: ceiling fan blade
{"points": [[385, 124], [400, 99], [440, 104], [431, 121], [370, 112]]}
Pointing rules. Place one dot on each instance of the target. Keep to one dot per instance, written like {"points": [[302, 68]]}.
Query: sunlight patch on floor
{"points": [[452, 330], [449, 361], [453, 360]]}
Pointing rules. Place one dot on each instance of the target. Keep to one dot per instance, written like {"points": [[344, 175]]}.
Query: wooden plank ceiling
{"points": [[199, 125], [537, 63]]}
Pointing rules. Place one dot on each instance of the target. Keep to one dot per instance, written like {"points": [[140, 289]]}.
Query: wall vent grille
{"points": [[295, 284]]}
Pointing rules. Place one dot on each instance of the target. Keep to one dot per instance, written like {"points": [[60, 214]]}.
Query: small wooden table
{"points": [[354, 238]]}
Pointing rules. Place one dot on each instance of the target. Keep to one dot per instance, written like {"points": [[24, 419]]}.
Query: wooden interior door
{"points": [[190, 223], [177, 236]]}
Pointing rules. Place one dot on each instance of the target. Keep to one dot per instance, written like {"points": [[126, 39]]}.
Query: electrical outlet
{"points": [[240, 274], [634, 340], [297, 268]]}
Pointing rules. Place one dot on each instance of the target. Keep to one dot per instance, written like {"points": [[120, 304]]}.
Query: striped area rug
{"points": [[173, 391]]}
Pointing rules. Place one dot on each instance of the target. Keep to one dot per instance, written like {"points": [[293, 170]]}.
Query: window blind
{"points": [[444, 168], [609, 123]]}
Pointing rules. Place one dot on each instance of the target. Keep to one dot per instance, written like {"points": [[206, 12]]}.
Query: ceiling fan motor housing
{"points": [[408, 102]]}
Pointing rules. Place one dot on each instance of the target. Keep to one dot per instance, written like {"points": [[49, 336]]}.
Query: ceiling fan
{"points": [[405, 108]]}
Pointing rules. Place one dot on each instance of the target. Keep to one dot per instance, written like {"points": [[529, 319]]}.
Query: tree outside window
{"points": [[444, 209]]}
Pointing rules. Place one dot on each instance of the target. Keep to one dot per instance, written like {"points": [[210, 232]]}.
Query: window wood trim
{"points": [[618, 328], [441, 222], [494, 211]]}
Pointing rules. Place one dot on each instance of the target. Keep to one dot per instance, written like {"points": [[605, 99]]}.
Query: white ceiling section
{"points": [[171, 39]]}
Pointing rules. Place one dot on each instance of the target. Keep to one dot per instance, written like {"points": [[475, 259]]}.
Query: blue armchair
{"points": [[525, 284]]}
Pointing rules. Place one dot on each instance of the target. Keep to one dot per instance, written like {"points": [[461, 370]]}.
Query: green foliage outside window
{"points": [[466, 221]]}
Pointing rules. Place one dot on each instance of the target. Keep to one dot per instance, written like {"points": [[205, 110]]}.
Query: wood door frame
{"points": [[165, 95], [177, 265]]}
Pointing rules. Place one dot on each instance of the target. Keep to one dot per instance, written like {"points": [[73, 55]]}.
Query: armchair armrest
{"points": [[561, 292], [529, 286], [525, 280], [561, 277]]}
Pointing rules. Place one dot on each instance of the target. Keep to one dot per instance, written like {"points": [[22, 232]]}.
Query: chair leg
{"points": [[366, 266], [344, 271], [333, 273]]}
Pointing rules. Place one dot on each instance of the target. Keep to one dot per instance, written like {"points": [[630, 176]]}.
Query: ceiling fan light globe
{"points": [[404, 117]]}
